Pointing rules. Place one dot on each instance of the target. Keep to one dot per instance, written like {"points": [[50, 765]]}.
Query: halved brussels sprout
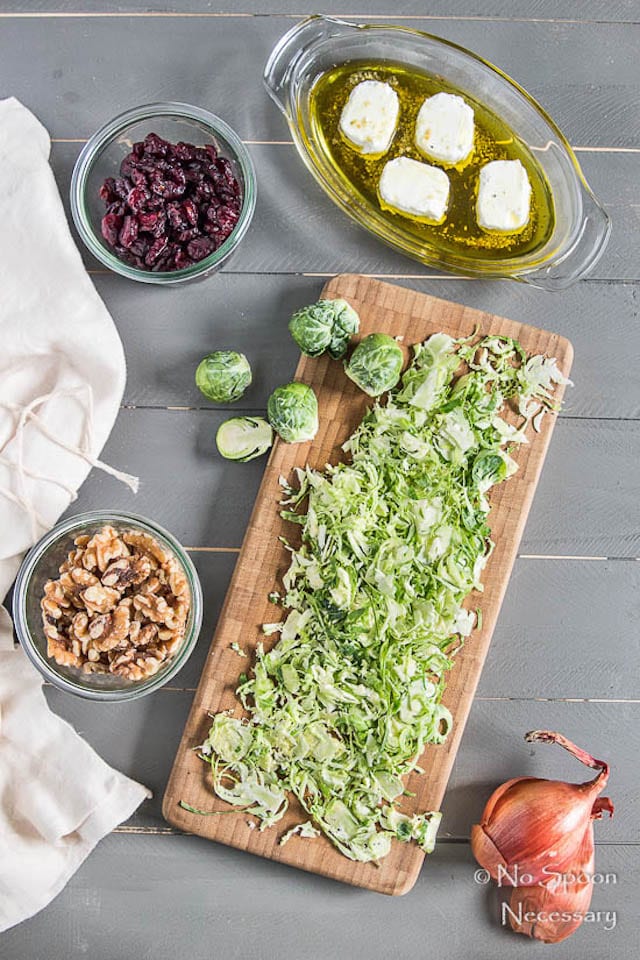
{"points": [[325, 325], [375, 364], [223, 376], [293, 412], [244, 438]]}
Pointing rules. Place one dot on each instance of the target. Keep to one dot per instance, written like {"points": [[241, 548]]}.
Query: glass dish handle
{"points": [[582, 254], [280, 67]]}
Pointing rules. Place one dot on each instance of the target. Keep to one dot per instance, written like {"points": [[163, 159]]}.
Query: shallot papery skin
{"points": [[553, 910], [532, 826]]}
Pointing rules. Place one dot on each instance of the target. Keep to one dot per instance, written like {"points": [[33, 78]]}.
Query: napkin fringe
{"points": [[27, 414]]}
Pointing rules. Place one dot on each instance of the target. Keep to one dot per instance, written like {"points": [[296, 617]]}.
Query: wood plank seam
{"points": [[289, 143], [209, 15], [253, 411]]}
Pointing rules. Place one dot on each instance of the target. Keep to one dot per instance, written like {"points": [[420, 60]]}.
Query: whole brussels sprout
{"points": [[375, 364], [243, 438], [223, 376], [325, 325], [293, 412]]}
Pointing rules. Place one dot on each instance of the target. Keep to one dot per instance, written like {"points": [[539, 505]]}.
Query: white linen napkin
{"points": [[62, 374]]}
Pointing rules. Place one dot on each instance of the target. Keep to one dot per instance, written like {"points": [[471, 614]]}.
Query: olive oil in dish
{"points": [[459, 232]]}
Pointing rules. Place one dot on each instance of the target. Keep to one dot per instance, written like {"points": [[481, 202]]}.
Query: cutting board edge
{"points": [[557, 337]]}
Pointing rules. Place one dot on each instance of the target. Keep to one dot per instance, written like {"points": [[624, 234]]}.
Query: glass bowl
{"points": [[101, 157], [42, 563], [318, 44]]}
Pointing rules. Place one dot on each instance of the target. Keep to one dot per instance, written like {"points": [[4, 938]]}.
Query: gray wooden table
{"points": [[565, 654]]}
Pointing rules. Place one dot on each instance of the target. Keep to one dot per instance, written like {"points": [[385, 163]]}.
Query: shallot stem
{"points": [[601, 805], [549, 736]]}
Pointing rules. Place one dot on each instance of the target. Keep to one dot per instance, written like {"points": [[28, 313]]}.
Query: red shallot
{"points": [[537, 837]]}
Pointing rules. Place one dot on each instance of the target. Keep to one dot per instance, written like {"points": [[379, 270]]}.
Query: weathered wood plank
{"points": [[139, 897], [567, 629], [554, 10], [310, 234], [493, 751], [142, 736], [165, 334], [584, 74], [586, 503], [315, 236]]}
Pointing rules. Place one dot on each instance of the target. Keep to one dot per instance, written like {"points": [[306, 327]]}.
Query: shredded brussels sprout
{"points": [[305, 829], [340, 709]]}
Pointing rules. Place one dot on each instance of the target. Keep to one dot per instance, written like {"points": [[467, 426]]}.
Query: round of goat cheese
{"points": [[370, 116], [445, 129], [414, 189], [504, 196]]}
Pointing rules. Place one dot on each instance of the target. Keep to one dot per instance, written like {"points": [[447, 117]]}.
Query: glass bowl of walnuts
{"points": [[107, 606]]}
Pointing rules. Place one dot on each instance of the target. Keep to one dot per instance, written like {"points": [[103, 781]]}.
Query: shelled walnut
{"points": [[120, 605]]}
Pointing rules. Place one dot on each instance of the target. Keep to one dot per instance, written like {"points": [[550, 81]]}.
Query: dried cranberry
{"points": [[184, 151], [190, 211], [107, 190], [122, 186], [140, 247], [193, 173], [148, 221], [225, 168], [128, 165], [139, 177], [179, 181], [175, 215], [161, 187], [155, 145], [137, 198], [204, 190], [110, 227], [200, 248], [129, 232], [227, 220], [118, 206], [155, 250], [183, 236], [182, 260]]}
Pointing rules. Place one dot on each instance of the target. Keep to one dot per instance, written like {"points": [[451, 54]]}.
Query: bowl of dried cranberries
{"points": [[164, 193]]}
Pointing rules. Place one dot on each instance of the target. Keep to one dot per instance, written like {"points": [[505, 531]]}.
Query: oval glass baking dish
{"points": [[317, 44]]}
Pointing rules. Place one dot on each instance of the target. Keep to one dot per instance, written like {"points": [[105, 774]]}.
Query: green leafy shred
{"points": [[340, 709]]}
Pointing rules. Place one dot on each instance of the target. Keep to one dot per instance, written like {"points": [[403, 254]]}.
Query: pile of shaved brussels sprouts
{"points": [[393, 540]]}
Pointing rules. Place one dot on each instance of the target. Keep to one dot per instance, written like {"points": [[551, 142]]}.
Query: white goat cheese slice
{"points": [[370, 116], [504, 196], [445, 128], [410, 187]]}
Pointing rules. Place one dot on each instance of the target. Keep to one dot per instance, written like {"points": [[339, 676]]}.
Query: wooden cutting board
{"points": [[397, 311]]}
